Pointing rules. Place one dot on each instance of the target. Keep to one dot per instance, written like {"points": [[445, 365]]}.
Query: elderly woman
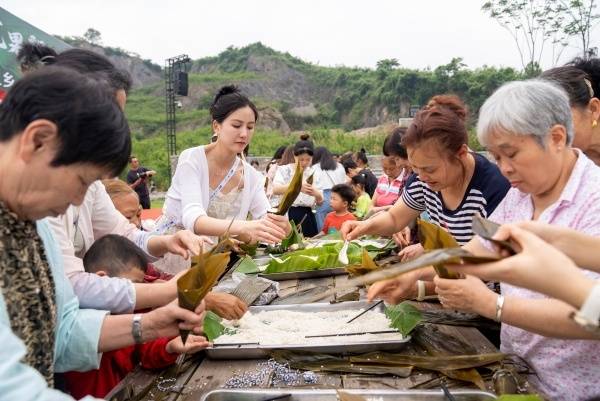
{"points": [[527, 127], [59, 131]]}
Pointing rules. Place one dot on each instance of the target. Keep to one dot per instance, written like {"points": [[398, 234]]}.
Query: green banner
{"points": [[14, 32]]}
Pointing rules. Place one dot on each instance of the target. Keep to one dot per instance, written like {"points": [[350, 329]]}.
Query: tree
{"points": [[531, 23], [385, 66], [93, 36], [580, 19]]}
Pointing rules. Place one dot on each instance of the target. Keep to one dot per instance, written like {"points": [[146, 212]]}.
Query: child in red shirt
{"points": [[116, 256], [342, 196]]}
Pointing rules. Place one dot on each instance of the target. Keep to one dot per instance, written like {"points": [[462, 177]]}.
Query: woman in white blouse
{"points": [[328, 173], [301, 211], [213, 186]]}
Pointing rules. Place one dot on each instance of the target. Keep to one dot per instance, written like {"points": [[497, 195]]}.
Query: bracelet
{"points": [[499, 306], [421, 293], [136, 329]]}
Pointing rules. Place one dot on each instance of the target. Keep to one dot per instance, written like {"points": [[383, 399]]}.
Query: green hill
{"points": [[293, 95]]}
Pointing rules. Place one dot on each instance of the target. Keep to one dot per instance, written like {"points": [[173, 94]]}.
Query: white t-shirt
{"points": [[284, 175], [327, 179], [188, 197]]}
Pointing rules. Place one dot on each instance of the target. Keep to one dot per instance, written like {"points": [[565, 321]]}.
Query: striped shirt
{"points": [[485, 191], [388, 191]]}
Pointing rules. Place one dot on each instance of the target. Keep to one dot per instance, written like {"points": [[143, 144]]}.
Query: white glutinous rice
{"points": [[285, 327]]}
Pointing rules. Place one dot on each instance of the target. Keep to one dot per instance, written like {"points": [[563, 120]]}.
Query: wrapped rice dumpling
{"points": [[193, 286]]}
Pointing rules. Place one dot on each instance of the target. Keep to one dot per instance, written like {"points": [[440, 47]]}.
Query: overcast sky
{"points": [[420, 34]]}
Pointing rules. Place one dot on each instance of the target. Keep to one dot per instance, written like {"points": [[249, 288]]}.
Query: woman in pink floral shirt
{"points": [[527, 127]]}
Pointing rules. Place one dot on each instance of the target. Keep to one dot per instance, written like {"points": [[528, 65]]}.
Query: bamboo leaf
{"points": [[451, 255], [367, 265], [193, 286], [404, 317], [435, 237], [292, 192], [212, 326], [247, 265]]}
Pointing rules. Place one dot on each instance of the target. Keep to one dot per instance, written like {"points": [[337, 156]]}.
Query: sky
{"points": [[419, 34]]}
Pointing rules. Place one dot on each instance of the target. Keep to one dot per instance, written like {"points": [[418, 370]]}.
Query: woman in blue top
{"points": [[59, 132], [451, 183]]}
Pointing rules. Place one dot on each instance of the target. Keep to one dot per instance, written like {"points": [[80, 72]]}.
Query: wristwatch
{"points": [[588, 316], [136, 329]]}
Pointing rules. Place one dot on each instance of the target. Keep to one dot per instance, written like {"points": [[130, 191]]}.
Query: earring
{"points": [[594, 124]]}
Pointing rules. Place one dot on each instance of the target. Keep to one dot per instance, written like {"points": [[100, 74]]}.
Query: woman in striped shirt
{"points": [[452, 184]]}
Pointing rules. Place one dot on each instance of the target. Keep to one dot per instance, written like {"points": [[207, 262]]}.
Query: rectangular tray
{"points": [[337, 346], [336, 271], [330, 395]]}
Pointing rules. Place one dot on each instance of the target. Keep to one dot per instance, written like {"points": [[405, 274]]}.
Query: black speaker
{"points": [[181, 85]]}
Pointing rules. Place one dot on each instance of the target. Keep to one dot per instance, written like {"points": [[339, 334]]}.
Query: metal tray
{"points": [[337, 346], [336, 271], [330, 395]]}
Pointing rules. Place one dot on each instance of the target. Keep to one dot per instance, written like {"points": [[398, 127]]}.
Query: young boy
{"points": [[342, 196], [116, 256]]}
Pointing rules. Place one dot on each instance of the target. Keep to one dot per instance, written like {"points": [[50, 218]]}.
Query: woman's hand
{"points": [[402, 238], [263, 230], [192, 345], [395, 290], [227, 306], [411, 252], [185, 242], [539, 266], [353, 229], [466, 295], [167, 320], [280, 221], [310, 189]]}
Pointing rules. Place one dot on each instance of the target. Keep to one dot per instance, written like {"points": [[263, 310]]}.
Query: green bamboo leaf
{"points": [[404, 317], [247, 265], [212, 326]]}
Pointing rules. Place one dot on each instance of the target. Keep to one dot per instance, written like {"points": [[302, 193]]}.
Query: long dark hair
{"points": [[577, 83], [324, 158], [277, 155]]}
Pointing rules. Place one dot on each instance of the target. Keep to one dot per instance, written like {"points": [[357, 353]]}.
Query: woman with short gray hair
{"points": [[527, 128]]}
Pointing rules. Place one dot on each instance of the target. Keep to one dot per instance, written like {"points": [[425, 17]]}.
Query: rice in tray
{"points": [[284, 327]]}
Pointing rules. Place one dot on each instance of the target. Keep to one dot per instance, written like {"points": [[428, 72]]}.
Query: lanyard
{"points": [[225, 180]]}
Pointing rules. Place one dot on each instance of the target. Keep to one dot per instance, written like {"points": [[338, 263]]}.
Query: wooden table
{"points": [[212, 374]]}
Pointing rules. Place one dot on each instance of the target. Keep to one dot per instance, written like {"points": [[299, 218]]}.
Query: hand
{"points": [[539, 266], [167, 320], [353, 229], [227, 306], [262, 230], [280, 221], [396, 289], [192, 345], [466, 295], [185, 242], [402, 238], [308, 189], [411, 252]]}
